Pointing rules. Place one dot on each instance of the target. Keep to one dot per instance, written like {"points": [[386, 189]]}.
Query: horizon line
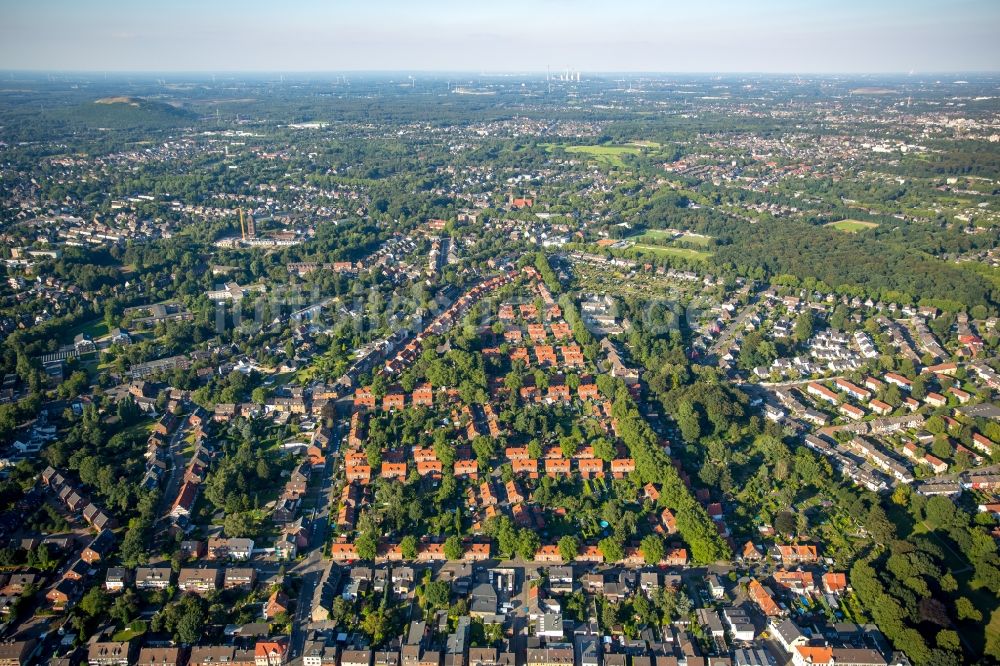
{"points": [[505, 72]]}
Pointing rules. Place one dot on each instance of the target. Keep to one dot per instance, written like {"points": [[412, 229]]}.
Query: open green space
{"points": [[95, 328], [608, 155], [852, 226], [666, 251], [656, 236]]}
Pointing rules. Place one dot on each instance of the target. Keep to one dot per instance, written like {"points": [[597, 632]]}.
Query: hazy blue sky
{"points": [[613, 35]]}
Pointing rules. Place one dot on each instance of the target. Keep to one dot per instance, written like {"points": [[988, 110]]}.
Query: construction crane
{"points": [[243, 227]]}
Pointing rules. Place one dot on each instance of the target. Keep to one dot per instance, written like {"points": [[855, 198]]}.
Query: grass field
{"points": [[852, 226], [609, 155], [667, 251], [663, 236], [95, 328]]}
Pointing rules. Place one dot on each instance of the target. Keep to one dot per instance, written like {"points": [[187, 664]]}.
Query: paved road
{"points": [[177, 466], [732, 328], [310, 567]]}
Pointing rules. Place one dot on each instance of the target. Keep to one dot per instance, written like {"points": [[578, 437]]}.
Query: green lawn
{"points": [[662, 236], [135, 629], [852, 226], [95, 328], [608, 155], [664, 251]]}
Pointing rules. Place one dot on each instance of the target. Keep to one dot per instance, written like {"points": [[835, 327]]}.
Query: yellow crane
{"points": [[243, 228]]}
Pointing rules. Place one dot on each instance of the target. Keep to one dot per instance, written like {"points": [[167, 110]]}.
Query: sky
{"points": [[788, 36]]}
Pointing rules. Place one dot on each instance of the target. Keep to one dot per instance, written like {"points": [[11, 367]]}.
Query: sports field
{"points": [[609, 155], [664, 236], [668, 251], [852, 226]]}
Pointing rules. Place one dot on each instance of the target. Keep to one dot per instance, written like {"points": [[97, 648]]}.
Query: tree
{"points": [[366, 546], [133, 550], [688, 421], [94, 603], [506, 536], [437, 594], [534, 449], [785, 523], [611, 549], [125, 607], [901, 495], [604, 449], [191, 624], [375, 624], [568, 446], [935, 424], [652, 549], [453, 549], [804, 326], [948, 640], [484, 448], [966, 610], [128, 411], [568, 548], [528, 544], [408, 547]]}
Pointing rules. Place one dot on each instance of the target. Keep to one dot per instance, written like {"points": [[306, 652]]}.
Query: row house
{"points": [[796, 554], [364, 398], [983, 444], [394, 399], [239, 578], [430, 468], [559, 393], [466, 469], [213, 655], [198, 580], [796, 582], [111, 653], [822, 392], [183, 504], [520, 354], [392, 470], [591, 468], [898, 380], [880, 408], [572, 356], [423, 396], [621, 467], [561, 331], [853, 390], [233, 548], [525, 466], [162, 656], [761, 596], [514, 493], [99, 547], [358, 431], [557, 467], [851, 412], [154, 577], [545, 355]]}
